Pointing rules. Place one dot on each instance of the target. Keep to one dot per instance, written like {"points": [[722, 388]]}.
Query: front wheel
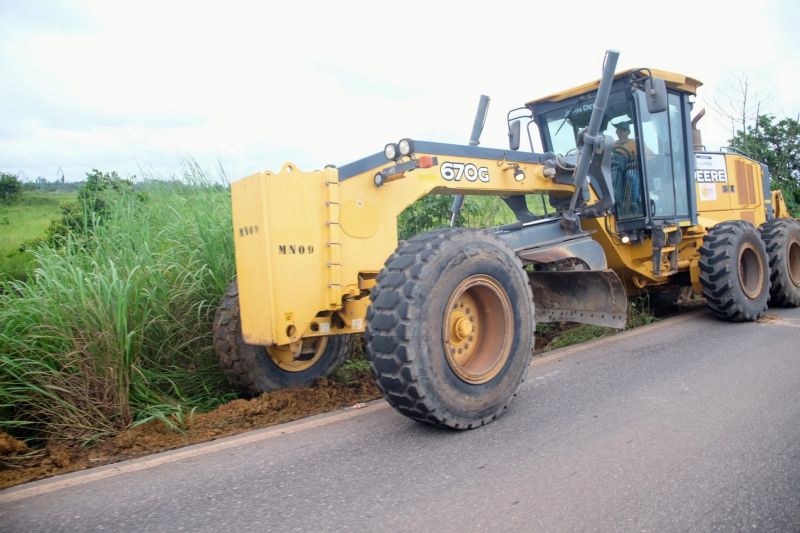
{"points": [[255, 369], [450, 328]]}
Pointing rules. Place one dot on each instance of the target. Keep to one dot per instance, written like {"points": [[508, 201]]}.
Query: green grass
{"points": [[114, 328], [433, 211], [24, 221]]}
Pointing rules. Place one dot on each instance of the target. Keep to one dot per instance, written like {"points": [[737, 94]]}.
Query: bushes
{"points": [[10, 188], [433, 211], [94, 201], [114, 325]]}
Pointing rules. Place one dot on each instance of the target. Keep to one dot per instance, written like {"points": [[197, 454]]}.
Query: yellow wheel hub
{"points": [[478, 329], [298, 356], [463, 328]]}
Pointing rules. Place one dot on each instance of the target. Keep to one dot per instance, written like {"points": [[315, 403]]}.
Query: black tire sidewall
{"points": [[438, 380], [720, 271], [751, 236], [778, 236], [249, 368]]}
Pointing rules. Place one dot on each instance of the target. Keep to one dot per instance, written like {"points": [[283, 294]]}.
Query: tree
{"points": [[10, 188], [739, 103], [778, 145], [94, 199]]}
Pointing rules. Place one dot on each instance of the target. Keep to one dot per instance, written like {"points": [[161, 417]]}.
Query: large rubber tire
{"points": [[250, 369], [734, 271], [782, 239], [413, 356]]}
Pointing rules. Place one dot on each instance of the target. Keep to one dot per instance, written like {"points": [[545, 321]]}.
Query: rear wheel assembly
{"points": [[450, 328], [782, 239], [255, 369], [734, 271]]}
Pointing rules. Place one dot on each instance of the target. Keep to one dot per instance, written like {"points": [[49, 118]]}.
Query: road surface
{"points": [[691, 425]]}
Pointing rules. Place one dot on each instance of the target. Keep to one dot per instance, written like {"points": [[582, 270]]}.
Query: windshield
{"points": [[562, 125]]}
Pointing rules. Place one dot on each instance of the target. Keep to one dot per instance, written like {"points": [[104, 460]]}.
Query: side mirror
{"points": [[514, 135], [656, 92]]}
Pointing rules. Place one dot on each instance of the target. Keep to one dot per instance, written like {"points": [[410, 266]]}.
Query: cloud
{"points": [[255, 84]]}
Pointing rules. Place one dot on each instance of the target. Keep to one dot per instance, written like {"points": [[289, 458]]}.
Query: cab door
{"points": [[664, 155]]}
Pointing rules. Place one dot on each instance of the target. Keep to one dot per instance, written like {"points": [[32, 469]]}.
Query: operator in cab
{"points": [[624, 141]]}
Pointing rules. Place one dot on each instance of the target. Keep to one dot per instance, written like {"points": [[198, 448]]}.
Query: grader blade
{"points": [[589, 297]]}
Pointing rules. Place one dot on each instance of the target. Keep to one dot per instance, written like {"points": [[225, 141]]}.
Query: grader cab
{"points": [[448, 316]]}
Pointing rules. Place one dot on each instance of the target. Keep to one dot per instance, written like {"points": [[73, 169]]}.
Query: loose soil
{"points": [[19, 464]]}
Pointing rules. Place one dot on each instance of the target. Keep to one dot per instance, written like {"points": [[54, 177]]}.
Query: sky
{"points": [[142, 87]]}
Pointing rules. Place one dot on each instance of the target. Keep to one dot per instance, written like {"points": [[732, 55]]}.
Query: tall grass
{"points": [[114, 327]]}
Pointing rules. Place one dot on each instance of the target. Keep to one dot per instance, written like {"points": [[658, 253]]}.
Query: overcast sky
{"points": [[138, 86]]}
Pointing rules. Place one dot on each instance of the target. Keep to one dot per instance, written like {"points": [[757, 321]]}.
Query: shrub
{"points": [[95, 197], [10, 188]]}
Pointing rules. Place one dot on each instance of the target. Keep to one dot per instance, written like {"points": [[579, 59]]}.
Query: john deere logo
{"points": [[295, 249]]}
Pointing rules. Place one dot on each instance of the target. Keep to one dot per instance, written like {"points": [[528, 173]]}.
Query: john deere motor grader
{"points": [[448, 316]]}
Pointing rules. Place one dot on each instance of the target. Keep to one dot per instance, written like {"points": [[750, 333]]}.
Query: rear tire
{"points": [[734, 271], [450, 328], [782, 239], [252, 370]]}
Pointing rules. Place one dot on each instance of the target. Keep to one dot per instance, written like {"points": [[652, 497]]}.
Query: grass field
{"points": [[23, 221]]}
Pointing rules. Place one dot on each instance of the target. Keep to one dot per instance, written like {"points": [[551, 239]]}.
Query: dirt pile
{"points": [[18, 464], [11, 446]]}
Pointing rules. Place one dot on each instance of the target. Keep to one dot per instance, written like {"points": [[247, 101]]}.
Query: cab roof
{"points": [[674, 81]]}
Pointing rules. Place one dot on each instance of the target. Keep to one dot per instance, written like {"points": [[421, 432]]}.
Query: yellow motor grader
{"points": [[448, 316]]}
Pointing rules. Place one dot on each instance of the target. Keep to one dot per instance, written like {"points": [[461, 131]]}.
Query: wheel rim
{"points": [[478, 329], [298, 356], [794, 261], [751, 271]]}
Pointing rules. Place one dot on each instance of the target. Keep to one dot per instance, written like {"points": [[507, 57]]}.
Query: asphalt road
{"points": [[693, 425]]}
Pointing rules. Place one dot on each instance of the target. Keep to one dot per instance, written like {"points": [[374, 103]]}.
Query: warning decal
{"points": [[708, 192]]}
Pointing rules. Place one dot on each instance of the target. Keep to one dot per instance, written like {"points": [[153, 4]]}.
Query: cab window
{"points": [[561, 127]]}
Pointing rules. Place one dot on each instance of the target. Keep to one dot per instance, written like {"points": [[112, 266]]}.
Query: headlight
{"points": [[406, 147], [391, 152]]}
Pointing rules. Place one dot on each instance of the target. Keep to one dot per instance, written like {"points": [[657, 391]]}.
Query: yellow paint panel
{"points": [[359, 219], [746, 179], [290, 243], [673, 80]]}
